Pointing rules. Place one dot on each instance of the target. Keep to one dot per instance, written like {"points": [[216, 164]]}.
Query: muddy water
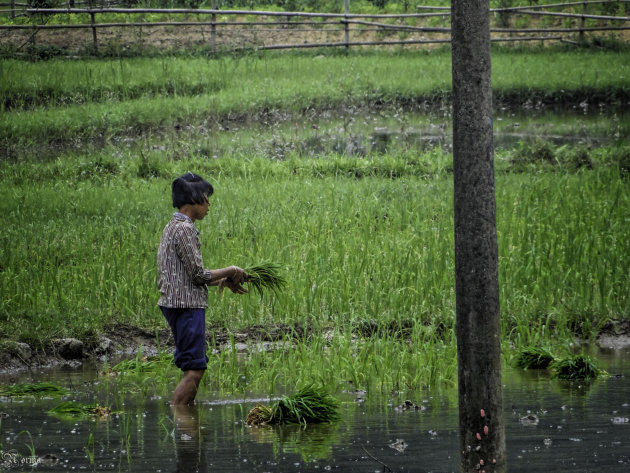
{"points": [[576, 428]]}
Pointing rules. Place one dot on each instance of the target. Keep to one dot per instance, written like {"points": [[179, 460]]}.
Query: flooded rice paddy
{"points": [[360, 132], [550, 425]]}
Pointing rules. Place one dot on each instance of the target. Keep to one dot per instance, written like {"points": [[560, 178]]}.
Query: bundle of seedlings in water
{"points": [[577, 367], [310, 405], [534, 358], [33, 389], [265, 277], [73, 410]]}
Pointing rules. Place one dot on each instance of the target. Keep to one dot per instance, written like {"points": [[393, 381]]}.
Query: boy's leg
{"points": [[189, 328], [186, 390]]}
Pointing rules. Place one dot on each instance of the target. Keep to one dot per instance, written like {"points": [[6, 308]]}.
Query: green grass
{"points": [[63, 101], [366, 236], [86, 259], [142, 364], [563, 239]]}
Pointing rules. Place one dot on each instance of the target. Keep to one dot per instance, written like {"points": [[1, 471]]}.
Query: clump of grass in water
{"points": [[264, 277], [72, 410], [534, 358], [310, 405], [143, 364], [34, 389], [576, 367]]}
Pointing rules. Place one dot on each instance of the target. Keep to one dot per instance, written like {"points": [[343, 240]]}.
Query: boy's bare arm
{"points": [[232, 278], [233, 273]]}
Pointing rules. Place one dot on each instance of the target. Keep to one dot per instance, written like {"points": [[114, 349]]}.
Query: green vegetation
{"points": [[62, 101], [534, 358], [72, 410], [33, 389], [310, 405], [570, 367], [320, 164], [577, 367], [142, 364], [265, 276]]}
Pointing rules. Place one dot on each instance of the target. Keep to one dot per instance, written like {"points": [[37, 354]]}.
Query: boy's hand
{"points": [[232, 286], [236, 288], [238, 275]]}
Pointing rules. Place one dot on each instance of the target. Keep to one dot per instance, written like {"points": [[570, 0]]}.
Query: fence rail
{"points": [[342, 24]]}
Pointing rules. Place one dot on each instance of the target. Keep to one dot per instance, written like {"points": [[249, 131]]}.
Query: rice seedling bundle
{"points": [[35, 389], [259, 415], [310, 405], [577, 367], [534, 358], [72, 410], [265, 276]]}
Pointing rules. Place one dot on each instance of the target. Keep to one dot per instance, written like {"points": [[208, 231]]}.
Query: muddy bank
{"points": [[124, 341]]}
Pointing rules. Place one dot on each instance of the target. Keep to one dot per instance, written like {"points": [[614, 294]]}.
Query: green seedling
{"points": [[265, 277], [534, 358], [33, 389], [310, 405], [577, 367]]}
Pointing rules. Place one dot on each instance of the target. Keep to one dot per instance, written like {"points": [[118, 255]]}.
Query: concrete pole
{"points": [[478, 325]]}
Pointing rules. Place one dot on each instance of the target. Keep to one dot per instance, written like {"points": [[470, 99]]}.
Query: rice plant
{"points": [[310, 405], [265, 276], [142, 364], [52, 100], [71, 410], [533, 358], [33, 389], [577, 367]]}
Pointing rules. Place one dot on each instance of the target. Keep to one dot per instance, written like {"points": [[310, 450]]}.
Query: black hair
{"points": [[190, 189]]}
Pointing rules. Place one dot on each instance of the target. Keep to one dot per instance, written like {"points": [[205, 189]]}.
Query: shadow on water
{"points": [[550, 425]]}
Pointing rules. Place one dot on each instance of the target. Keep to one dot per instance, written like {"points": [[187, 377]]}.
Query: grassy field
{"points": [[371, 257], [365, 241], [70, 101]]}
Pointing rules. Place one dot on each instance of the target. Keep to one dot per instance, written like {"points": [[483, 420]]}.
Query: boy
{"points": [[183, 282]]}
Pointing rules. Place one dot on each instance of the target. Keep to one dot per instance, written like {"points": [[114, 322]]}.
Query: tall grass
{"points": [[77, 255]]}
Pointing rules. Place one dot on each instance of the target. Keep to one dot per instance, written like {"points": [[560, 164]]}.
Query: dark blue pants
{"points": [[189, 331]]}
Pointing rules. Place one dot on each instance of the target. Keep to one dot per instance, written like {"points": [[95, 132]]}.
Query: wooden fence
{"points": [[346, 29], [17, 9]]}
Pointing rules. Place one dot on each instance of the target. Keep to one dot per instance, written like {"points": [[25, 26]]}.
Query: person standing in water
{"points": [[183, 282]]}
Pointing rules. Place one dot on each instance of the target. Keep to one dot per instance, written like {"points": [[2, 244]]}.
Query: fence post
{"points": [[583, 21], [346, 7], [94, 31], [12, 8], [213, 29]]}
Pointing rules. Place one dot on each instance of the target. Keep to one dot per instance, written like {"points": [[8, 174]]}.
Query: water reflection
{"points": [[311, 443], [189, 440]]}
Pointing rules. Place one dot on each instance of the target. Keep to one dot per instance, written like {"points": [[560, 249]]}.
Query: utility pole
{"points": [[478, 325]]}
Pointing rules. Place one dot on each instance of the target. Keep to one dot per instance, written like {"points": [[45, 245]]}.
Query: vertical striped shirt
{"points": [[182, 279]]}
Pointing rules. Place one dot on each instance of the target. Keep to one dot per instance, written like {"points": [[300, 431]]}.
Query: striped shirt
{"points": [[182, 279]]}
